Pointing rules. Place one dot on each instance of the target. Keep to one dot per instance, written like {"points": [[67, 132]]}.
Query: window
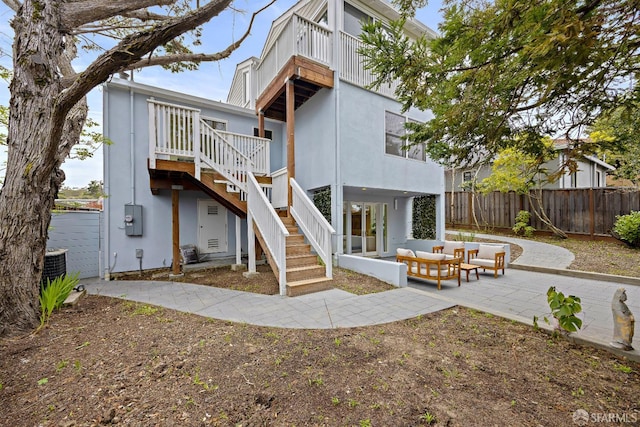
{"points": [[215, 123], [353, 19], [467, 176], [324, 19], [267, 133], [574, 180], [395, 144]]}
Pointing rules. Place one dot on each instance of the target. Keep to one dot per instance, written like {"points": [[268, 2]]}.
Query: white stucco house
{"points": [[188, 170]]}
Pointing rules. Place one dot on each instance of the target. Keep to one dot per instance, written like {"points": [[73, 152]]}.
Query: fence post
{"points": [[470, 208], [592, 214]]}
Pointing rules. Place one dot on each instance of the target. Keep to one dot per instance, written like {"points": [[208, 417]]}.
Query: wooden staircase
{"points": [[304, 273]]}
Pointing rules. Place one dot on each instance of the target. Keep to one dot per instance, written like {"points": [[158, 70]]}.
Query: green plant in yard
{"points": [[564, 310], [522, 226], [465, 237], [52, 295], [627, 228]]}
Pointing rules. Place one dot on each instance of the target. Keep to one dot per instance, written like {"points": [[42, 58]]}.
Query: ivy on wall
{"points": [[424, 217], [322, 200]]}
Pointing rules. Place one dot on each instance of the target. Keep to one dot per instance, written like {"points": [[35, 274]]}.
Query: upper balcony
{"points": [[303, 51]]}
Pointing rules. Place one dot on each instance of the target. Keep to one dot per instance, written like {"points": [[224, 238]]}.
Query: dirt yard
{"points": [[112, 362]]}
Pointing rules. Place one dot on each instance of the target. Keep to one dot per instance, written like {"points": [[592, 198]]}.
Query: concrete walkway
{"points": [[536, 254], [519, 295]]}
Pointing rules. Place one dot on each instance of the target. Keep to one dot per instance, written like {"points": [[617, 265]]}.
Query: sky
{"points": [[212, 80]]}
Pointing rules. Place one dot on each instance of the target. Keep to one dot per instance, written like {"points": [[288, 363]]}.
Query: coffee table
{"points": [[468, 268]]}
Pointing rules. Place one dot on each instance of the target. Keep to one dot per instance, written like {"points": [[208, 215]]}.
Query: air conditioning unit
{"points": [[55, 265]]}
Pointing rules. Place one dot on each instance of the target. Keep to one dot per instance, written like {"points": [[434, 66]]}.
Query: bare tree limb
{"points": [[13, 4], [145, 15], [131, 50], [76, 14], [199, 57]]}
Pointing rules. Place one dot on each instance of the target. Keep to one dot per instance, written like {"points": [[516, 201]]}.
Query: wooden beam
{"points": [[175, 228], [261, 124], [291, 159]]}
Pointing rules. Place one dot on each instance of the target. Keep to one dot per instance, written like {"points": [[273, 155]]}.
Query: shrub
{"points": [[522, 226], [52, 295], [627, 228]]}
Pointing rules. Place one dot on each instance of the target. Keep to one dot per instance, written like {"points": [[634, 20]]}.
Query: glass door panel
{"points": [[356, 228], [369, 229]]}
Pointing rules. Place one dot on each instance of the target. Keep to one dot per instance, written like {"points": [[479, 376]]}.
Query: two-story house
{"points": [[299, 119], [591, 172]]}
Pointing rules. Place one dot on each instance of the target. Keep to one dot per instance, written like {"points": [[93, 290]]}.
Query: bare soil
{"points": [[112, 362]]}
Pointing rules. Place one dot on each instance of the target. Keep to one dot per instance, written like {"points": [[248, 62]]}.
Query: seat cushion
{"points": [[483, 262], [450, 246], [489, 251], [430, 256], [405, 252]]}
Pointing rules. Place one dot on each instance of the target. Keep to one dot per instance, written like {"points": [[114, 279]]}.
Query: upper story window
{"points": [[353, 19], [324, 19], [395, 144]]}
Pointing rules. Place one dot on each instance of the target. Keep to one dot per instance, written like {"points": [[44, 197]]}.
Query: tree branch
{"points": [[78, 13], [13, 4], [199, 57]]}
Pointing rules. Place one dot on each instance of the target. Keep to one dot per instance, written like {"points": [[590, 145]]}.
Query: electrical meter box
{"points": [[133, 220]]}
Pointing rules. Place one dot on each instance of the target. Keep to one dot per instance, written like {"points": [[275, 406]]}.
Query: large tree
{"points": [[48, 108], [506, 73]]}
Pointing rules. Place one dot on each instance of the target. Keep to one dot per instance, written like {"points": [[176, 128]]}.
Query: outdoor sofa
{"points": [[429, 266]]}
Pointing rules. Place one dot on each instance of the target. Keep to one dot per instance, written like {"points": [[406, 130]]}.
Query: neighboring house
{"points": [[178, 171], [591, 173]]}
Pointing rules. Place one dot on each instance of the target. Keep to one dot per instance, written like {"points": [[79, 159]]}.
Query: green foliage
{"points": [[515, 170], [522, 226], [508, 72], [322, 200], [465, 237], [619, 127], [424, 217], [627, 228], [564, 309], [53, 294]]}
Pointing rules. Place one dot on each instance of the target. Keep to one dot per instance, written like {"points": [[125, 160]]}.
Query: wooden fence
{"points": [[589, 211]]}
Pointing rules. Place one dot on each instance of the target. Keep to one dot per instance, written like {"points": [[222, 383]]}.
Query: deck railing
{"points": [[273, 232], [279, 195], [352, 66], [220, 155], [314, 226], [299, 37], [177, 132]]}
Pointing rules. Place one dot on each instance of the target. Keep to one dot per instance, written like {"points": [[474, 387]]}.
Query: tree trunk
{"points": [[36, 149]]}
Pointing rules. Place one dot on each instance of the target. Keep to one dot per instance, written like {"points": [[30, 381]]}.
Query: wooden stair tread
{"points": [[306, 267], [308, 281]]}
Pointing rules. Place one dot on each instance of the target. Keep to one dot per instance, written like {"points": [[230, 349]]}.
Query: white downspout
{"points": [[105, 175], [132, 147], [334, 11]]}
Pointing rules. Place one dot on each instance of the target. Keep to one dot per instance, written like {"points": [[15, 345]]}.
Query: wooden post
{"points": [[261, 124], [592, 214], [291, 159], [175, 228], [470, 208]]}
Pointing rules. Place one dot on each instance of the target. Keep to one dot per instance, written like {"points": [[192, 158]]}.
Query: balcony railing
{"points": [[352, 66], [299, 37], [177, 132]]}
